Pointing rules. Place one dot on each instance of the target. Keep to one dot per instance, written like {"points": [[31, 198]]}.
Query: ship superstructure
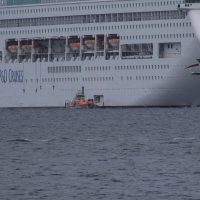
{"points": [[121, 53]]}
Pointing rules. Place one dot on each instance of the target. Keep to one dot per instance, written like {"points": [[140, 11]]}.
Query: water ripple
{"points": [[139, 154]]}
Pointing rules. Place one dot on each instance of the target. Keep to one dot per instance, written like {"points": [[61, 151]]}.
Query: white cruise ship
{"points": [[120, 53]]}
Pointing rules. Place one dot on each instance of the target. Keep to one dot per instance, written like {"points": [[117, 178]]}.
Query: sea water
{"points": [[68, 154]]}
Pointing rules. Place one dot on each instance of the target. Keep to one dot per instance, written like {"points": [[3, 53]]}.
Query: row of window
{"points": [[139, 67], [69, 69], [133, 37], [64, 69], [161, 36], [91, 7], [142, 67], [86, 79], [98, 79], [147, 78], [99, 28], [119, 27], [122, 78], [60, 79], [74, 79], [54, 80], [76, 69], [99, 18], [96, 68]]}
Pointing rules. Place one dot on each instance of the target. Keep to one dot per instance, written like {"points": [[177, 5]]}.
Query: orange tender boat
{"points": [[89, 43], [13, 48], [27, 46], [114, 42], [75, 45], [80, 102]]}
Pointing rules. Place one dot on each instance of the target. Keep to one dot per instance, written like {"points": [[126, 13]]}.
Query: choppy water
{"points": [[58, 154]]}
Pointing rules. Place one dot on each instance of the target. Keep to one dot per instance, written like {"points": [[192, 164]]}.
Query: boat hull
{"points": [[177, 88]]}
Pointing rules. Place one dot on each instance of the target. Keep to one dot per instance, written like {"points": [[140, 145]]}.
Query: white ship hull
{"points": [[118, 82], [179, 87]]}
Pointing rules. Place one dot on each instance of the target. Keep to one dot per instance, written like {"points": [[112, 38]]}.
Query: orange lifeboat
{"points": [[75, 46], [27, 47], [114, 42], [89, 43], [13, 48]]}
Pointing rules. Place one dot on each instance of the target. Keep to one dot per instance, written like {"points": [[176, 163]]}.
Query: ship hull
{"points": [[148, 67], [178, 87]]}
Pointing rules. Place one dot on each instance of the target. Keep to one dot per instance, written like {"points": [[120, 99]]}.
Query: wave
{"points": [[43, 140], [20, 140], [192, 138]]}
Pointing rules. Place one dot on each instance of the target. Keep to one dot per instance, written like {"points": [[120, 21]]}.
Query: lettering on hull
{"points": [[13, 76]]}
